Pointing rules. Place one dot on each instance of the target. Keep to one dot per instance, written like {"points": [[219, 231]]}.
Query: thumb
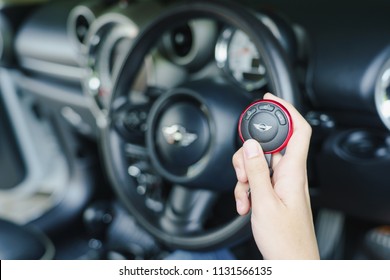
{"points": [[257, 171]]}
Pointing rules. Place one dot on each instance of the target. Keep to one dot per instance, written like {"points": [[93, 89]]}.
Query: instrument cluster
{"points": [[195, 49]]}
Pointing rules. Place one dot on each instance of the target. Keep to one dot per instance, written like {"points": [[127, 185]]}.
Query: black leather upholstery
{"points": [[21, 243]]}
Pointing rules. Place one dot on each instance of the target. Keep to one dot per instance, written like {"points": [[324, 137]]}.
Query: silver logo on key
{"points": [[262, 127]]}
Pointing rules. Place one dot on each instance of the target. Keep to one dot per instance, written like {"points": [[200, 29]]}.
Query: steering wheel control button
{"points": [[269, 123]]}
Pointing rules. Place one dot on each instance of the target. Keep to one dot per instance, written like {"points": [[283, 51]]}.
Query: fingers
{"points": [[241, 191], [275, 159], [252, 169], [243, 204], [238, 164], [252, 172], [298, 145], [295, 157], [257, 171]]}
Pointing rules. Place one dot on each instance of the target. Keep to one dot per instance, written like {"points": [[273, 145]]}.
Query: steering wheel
{"points": [[190, 138]]}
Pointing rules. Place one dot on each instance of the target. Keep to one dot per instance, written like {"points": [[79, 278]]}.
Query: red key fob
{"points": [[269, 123]]}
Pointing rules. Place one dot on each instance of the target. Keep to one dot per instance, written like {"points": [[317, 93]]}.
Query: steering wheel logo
{"points": [[177, 134]]}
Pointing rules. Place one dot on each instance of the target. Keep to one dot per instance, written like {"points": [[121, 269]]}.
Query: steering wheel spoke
{"points": [[131, 122], [187, 210]]}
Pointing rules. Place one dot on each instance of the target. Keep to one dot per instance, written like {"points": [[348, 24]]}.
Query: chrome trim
{"points": [[73, 73], [178, 135], [47, 171], [382, 97]]}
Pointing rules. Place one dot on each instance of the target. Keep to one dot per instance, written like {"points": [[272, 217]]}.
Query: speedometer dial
{"points": [[239, 57]]}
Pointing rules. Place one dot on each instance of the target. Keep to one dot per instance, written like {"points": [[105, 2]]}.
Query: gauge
{"points": [[239, 57], [382, 94], [189, 44]]}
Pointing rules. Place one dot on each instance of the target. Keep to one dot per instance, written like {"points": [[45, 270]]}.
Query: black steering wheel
{"points": [[190, 137]]}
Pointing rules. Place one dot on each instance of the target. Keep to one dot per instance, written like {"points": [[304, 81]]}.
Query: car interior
{"points": [[118, 123]]}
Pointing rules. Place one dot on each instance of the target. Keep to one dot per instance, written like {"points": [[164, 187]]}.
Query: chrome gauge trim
{"points": [[80, 14], [97, 33], [121, 22], [82, 17], [121, 34], [96, 47], [382, 94], [108, 63], [224, 58]]}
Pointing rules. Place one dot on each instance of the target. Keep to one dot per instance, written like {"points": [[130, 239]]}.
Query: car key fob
{"points": [[269, 123]]}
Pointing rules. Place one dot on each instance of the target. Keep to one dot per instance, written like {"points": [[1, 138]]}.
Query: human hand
{"points": [[282, 222]]}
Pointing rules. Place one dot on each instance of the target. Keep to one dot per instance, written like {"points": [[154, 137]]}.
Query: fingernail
{"points": [[251, 149]]}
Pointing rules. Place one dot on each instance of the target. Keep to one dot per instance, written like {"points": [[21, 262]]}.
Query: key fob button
{"points": [[250, 112], [281, 118], [269, 123], [266, 107], [263, 127]]}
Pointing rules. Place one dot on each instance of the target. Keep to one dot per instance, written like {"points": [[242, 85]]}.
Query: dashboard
{"points": [[100, 42], [68, 55]]}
